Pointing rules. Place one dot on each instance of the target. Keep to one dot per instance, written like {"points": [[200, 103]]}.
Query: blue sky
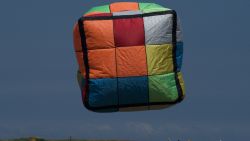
{"points": [[39, 95]]}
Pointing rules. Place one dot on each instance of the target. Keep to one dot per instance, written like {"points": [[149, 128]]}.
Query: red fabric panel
{"points": [[129, 32]]}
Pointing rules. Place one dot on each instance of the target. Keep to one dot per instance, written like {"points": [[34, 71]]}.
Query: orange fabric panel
{"points": [[124, 6], [102, 63], [131, 61], [99, 34], [77, 38]]}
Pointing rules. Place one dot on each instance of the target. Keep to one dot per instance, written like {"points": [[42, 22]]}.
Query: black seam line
{"points": [[116, 68], [133, 105], [127, 16], [117, 92], [174, 39], [85, 59], [117, 82], [146, 62]]}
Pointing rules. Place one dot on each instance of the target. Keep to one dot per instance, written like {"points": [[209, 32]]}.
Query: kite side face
{"points": [[130, 57]]}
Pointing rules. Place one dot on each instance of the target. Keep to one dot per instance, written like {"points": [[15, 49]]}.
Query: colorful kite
{"points": [[130, 57]]}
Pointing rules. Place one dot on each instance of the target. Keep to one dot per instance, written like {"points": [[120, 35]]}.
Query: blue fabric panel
{"points": [[133, 90], [179, 55], [103, 92]]}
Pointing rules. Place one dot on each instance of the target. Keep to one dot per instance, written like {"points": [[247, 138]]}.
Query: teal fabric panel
{"points": [[103, 92], [179, 55], [133, 90]]}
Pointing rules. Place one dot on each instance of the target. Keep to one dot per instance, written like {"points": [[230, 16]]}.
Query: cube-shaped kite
{"points": [[130, 57]]}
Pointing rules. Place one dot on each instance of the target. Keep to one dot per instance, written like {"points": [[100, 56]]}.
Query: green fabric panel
{"points": [[104, 9], [162, 88], [151, 7], [144, 6]]}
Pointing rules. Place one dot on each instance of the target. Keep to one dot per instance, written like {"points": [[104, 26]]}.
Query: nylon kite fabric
{"points": [[130, 57]]}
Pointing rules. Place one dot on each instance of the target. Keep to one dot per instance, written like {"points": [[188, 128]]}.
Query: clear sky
{"points": [[39, 95]]}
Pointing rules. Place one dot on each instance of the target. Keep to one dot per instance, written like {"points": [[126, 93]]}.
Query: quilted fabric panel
{"points": [[99, 34], [180, 77], [158, 29], [102, 63], [179, 31], [133, 90], [102, 9], [159, 59], [129, 32], [131, 61], [102, 92], [162, 88], [179, 55], [151, 7], [124, 6]]}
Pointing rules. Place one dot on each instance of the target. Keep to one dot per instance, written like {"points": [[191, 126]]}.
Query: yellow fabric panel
{"points": [[182, 83], [159, 59]]}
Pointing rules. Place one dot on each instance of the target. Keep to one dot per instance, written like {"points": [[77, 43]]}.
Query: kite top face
{"points": [[130, 57]]}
